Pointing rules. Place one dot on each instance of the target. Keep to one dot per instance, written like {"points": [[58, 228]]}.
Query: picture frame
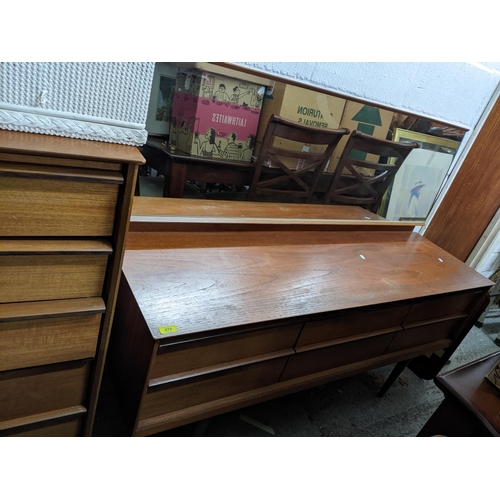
{"points": [[494, 375], [160, 102], [419, 179]]}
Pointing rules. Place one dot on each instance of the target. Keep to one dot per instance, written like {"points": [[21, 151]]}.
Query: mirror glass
{"points": [[190, 128]]}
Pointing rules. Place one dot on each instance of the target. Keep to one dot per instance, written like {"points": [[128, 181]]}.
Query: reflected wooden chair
{"points": [[294, 172], [357, 181]]}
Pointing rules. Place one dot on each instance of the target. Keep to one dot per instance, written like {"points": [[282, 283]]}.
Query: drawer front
{"points": [[208, 352], [37, 342], [425, 334], [40, 390], [56, 207], [345, 325], [318, 360], [197, 390], [438, 307], [60, 428], [47, 277]]}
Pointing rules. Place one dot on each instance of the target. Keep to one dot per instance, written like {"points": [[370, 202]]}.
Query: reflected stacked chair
{"points": [[352, 186], [296, 171]]}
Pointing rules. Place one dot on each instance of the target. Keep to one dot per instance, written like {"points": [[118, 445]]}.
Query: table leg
{"points": [[396, 372], [200, 427], [177, 180]]}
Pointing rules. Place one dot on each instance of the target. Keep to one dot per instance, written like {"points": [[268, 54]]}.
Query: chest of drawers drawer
{"points": [[48, 201], [216, 350], [426, 333], [58, 427], [307, 362], [38, 333], [34, 270], [33, 391], [350, 323], [192, 391], [441, 306]]}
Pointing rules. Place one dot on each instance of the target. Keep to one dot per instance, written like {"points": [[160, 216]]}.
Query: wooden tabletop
{"points": [[179, 156], [220, 285]]}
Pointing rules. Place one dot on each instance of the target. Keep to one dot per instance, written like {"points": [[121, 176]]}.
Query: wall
{"points": [[104, 101], [456, 93]]}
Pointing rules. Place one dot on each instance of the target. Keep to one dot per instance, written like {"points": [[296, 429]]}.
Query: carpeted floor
{"points": [[348, 407]]}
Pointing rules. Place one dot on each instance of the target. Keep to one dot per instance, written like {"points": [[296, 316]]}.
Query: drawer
{"points": [[440, 306], [356, 322], [50, 270], [326, 358], [188, 356], [426, 334], [60, 428], [39, 333], [50, 201], [43, 389], [193, 391]]}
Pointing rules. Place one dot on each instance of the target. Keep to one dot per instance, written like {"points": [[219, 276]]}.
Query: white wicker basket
{"points": [[86, 100]]}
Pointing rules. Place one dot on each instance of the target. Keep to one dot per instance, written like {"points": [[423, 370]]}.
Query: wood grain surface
{"points": [[40, 144], [166, 207], [35, 342], [473, 198], [51, 309], [51, 277], [43, 389], [60, 247], [58, 423], [14, 169], [56, 207], [204, 289]]}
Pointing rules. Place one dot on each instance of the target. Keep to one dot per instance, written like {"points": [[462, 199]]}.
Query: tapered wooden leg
{"points": [[396, 372], [200, 427]]}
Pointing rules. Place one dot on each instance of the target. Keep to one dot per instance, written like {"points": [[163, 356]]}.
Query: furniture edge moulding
{"points": [[111, 284], [69, 149]]}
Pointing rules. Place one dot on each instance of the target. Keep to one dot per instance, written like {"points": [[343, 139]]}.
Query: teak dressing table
{"points": [[227, 304], [64, 212]]}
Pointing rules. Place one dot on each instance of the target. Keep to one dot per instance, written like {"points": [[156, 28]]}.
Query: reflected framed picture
{"points": [[494, 375], [160, 101], [419, 179]]}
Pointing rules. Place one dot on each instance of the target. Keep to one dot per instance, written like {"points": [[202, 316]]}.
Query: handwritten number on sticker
{"points": [[165, 330]]}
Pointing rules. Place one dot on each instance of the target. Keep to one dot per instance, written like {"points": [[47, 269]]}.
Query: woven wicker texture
{"points": [[112, 90]]}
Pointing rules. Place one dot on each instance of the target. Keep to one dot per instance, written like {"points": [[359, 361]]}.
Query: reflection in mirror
{"points": [[419, 180], [408, 196]]}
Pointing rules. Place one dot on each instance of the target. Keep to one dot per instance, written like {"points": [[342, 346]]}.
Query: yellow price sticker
{"points": [[165, 330]]}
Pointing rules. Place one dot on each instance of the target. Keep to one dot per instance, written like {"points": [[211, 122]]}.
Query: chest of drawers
{"points": [[64, 212], [223, 305]]}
